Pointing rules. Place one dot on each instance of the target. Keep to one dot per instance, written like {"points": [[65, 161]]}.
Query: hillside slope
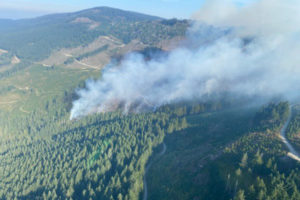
{"points": [[35, 39]]}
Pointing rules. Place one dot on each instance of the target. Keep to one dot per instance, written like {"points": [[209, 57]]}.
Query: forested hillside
{"points": [[247, 159], [101, 156], [213, 148]]}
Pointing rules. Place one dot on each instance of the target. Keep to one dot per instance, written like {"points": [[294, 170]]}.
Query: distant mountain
{"points": [[35, 39]]}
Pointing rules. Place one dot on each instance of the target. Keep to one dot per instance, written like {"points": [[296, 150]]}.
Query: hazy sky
{"points": [[164, 8]]}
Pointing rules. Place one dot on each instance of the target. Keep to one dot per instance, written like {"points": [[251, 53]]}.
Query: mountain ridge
{"points": [[36, 38], [104, 9]]}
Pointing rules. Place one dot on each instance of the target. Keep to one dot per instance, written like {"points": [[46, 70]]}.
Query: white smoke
{"points": [[263, 17], [219, 61]]}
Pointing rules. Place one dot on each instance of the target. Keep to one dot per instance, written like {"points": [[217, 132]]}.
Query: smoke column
{"points": [[249, 50]]}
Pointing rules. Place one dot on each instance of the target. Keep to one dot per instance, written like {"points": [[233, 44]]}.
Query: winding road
{"points": [[145, 197], [292, 152]]}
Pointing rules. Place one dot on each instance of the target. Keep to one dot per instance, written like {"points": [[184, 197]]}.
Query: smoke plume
{"points": [[240, 50]]}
